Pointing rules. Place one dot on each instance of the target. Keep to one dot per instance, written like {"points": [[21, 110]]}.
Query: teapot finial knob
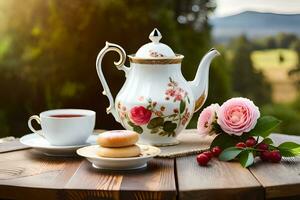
{"points": [[155, 36]]}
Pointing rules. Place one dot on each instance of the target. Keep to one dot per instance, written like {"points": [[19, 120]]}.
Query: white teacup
{"points": [[65, 127]]}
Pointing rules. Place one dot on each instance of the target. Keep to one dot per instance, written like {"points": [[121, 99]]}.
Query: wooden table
{"points": [[27, 175]]}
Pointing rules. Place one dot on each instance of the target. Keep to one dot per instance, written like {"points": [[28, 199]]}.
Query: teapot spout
{"points": [[199, 85]]}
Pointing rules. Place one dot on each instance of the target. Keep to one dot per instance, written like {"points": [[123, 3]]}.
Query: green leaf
{"points": [[230, 153], [268, 141], [138, 129], [289, 145], [130, 123], [264, 126], [289, 149], [246, 158], [182, 106], [155, 122], [224, 141], [286, 153], [171, 134], [169, 126], [163, 133]]}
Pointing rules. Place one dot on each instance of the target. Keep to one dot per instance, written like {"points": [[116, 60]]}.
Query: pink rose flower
{"points": [[140, 115], [237, 116], [206, 118]]}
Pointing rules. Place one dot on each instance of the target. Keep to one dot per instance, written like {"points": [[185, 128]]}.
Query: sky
{"points": [[230, 7]]}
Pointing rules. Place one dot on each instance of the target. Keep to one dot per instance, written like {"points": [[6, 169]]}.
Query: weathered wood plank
{"points": [[157, 181], [89, 183], [26, 174], [218, 180], [282, 179]]}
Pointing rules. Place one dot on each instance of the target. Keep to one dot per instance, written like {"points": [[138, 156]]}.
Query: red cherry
{"points": [[208, 154], [250, 142], [202, 159], [241, 145], [262, 146], [265, 155], [216, 151], [275, 156]]}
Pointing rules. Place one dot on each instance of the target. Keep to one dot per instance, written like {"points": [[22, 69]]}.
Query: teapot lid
{"points": [[155, 49]]}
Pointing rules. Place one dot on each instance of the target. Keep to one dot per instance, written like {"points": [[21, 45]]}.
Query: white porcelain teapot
{"points": [[155, 100]]}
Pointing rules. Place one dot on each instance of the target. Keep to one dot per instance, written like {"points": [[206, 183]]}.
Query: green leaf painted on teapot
{"points": [[155, 122], [130, 123], [173, 134], [169, 126], [163, 133], [182, 106], [138, 129]]}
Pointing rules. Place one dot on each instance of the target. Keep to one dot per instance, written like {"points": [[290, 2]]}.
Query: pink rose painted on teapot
{"points": [[155, 100], [140, 115]]}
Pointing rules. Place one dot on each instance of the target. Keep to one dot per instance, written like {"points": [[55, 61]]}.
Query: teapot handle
{"points": [[120, 66]]}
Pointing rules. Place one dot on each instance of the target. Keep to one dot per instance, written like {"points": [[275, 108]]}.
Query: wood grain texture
{"points": [[282, 179], [218, 180], [157, 181], [89, 183], [26, 174]]}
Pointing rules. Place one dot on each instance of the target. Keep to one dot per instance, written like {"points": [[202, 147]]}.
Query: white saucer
{"points": [[41, 145], [147, 153]]}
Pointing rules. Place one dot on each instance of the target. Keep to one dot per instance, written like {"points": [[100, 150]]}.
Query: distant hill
{"points": [[254, 24]]}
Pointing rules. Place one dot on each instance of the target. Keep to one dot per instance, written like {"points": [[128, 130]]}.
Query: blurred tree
{"points": [[281, 40], [287, 114], [48, 51], [284, 40], [246, 80], [295, 45], [281, 57], [270, 43]]}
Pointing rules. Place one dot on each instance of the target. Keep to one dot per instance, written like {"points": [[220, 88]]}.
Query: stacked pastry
{"points": [[118, 144]]}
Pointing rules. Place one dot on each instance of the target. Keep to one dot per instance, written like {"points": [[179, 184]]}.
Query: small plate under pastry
{"points": [[130, 163]]}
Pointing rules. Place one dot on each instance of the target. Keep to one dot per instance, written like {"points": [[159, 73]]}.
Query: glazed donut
{"points": [[120, 152], [117, 138]]}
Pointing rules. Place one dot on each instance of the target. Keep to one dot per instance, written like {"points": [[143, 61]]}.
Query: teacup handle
{"points": [[38, 120]]}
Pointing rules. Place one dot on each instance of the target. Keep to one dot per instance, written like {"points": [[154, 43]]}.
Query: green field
{"points": [[265, 59]]}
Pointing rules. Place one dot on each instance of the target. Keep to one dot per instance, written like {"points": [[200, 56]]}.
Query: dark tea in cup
{"points": [[66, 115]]}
